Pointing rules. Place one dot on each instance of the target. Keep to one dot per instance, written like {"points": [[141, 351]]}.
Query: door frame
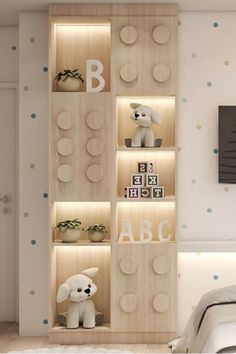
{"points": [[15, 86]]}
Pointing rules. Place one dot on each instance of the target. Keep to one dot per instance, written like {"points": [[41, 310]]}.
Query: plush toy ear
{"points": [[156, 119], [135, 105], [90, 272], [63, 292]]}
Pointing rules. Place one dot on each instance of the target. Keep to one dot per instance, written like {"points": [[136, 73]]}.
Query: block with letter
{"points": [[132, 192], [158, 192], [145, 167], [145, 192], [137, 180], [152, 180]]}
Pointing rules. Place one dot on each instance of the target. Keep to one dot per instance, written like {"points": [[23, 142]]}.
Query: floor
{"points": [[10, 341]]}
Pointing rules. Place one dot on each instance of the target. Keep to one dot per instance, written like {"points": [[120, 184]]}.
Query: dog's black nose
{"points": [[87, 291], [136, 115]]}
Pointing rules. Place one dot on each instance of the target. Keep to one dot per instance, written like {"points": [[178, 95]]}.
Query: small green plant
{"points": [[69, 224], [63, 75], [97, 228]]}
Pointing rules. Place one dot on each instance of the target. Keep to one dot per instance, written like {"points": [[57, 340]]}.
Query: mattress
{"points": [[222, 339]]}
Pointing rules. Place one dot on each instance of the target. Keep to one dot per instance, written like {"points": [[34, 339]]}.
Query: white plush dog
{"points": [[79, 289], [143, 116]]}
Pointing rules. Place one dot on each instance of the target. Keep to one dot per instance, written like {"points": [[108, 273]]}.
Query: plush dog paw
{"points": [[128, 142], [158, 142]]}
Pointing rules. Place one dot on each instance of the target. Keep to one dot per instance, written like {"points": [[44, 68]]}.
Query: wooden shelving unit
{"points": [[136, 281]]}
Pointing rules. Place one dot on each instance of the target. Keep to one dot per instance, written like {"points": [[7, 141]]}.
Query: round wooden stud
{"points": [[65, 120], [65, 173], [95, 147], [161, 72], [128, 265], [65, 147], [128, 72], [161, 34], [161, 302], [161, 265], [95, 173], [128, 35], [95, 120], [128, 302]]}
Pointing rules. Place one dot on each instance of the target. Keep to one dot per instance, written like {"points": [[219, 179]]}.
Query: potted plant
{"points": [[96, 232], [69, 80], [69, 230]]}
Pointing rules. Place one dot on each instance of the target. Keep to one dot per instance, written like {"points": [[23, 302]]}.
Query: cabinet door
{"points": [[144, 287]]}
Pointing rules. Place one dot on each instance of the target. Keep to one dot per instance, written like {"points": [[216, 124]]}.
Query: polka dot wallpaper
{"points": [[207, 78], [33, 183]]}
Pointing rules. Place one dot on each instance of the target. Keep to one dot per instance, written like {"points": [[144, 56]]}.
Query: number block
{"points": [[132, 192], [158, 192], [137, 180], [146, 192], [145, 167], [152, 180]]}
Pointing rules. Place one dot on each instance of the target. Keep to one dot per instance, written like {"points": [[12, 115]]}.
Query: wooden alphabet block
{"points": [[152, 180], [137, 180], [146, 192], [145, 167], [132, 192], [158, 192]]}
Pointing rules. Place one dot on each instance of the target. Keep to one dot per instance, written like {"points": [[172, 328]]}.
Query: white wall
{"points": [[33, 180], [203, 52], [9, 44]]}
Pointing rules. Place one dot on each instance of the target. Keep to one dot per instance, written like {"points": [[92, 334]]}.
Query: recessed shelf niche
{"points": [[77, 41]]}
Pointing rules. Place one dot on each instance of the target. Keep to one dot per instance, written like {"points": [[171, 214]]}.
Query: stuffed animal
{"points": [[144, 117], [78, 289]]}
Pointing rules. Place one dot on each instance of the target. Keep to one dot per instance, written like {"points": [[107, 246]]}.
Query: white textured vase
{"points": [[96, 236], [70, 235], [69, 85]]}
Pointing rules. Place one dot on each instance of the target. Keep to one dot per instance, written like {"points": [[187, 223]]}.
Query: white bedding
{"points": [[222, 336], [212, 325]]}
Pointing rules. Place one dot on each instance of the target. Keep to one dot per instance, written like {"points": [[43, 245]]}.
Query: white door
{"points": [[8, 276]]}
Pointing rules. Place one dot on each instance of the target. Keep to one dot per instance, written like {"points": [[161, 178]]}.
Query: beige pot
{"points": [[69, 85], [96, 236], [70, 235]]}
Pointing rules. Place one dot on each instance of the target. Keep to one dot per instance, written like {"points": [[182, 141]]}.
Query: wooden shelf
{"points": [[104, 328], [147, 200], [156, 149], [81, 243]]}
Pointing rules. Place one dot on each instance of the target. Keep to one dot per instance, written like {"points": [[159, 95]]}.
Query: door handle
{"points": [[6, 199]]}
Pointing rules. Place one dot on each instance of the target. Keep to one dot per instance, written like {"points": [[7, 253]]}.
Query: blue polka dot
{"points": [[184, 226], [45, 195], [45, 69], [33, 242], [215, 151], [45, 322], [215, 277], [209, 210], [33, 115], [209, 84], [215, 24]]}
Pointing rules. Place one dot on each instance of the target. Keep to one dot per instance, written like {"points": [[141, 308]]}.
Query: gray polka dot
{"points": [[184, 226], [45, 322], [33, 242], [33, 115], [193, 181], [179, 275], [45, 195], [32, 165], [198, 126], [215, 277], [184, 100], [26, 215], [226, 62], [215, 150], [179, 148], [209, 210], [26, 88], [193, 55], [215, 24], [32, 292], [209, 84], [32, 39], [179, 23], [45, 69], [226, 189], [13, 47]]}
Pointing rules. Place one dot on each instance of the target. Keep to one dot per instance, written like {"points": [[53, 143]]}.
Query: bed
{"points": [[212, 325]]}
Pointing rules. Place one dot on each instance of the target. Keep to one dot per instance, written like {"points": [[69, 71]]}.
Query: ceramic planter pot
{"points": [[96, 236], [70, 235], [69, 85]]}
